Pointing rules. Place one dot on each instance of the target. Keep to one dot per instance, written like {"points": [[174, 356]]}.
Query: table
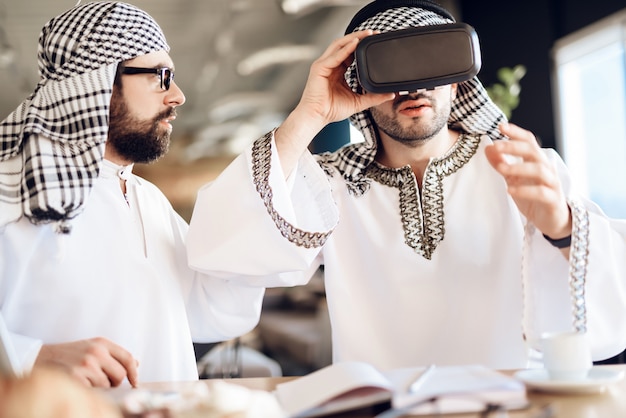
{"points": [[610, 403]]}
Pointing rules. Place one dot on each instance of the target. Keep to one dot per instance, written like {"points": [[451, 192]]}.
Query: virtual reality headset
{"points": [[418, 58]]}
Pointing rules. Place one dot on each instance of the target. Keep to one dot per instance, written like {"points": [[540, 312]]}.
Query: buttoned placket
{"points": [[128, 189], [124, 174]]}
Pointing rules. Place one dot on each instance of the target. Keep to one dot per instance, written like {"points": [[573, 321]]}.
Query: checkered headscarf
{"points": [[472, 110], [53, 143]]}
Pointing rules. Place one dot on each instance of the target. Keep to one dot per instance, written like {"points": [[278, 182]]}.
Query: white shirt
{"points": [[121, 274], [473, 302]]}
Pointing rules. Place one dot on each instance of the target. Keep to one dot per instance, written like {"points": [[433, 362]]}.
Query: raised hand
{"points": [[326, 98], [532, 181], [95, 362], [326, 94]]}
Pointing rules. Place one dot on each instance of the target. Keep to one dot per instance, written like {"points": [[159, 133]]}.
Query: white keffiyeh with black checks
{"points": [[53, 143], [472, 110]]}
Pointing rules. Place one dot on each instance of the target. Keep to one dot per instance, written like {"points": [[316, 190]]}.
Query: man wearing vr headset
{"points": [[448, 236], [93, 265]]}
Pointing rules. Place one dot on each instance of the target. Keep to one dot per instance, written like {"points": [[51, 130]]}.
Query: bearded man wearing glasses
{"points": [[93, 264]]}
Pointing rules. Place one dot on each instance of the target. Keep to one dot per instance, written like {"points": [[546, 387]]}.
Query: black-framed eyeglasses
{"points": [[166, 74]]}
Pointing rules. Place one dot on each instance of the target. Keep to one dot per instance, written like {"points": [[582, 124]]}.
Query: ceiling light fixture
{"points": [[239, 105], [284, 54], [294, 7]]}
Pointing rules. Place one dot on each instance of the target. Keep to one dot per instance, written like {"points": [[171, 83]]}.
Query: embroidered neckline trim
{"points": [[423, 219]]}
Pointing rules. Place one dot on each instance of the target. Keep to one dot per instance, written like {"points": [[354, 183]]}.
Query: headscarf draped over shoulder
{"points": [[53, 143], [472, 110]]}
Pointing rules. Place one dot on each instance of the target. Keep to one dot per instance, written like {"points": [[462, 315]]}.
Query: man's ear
{"points": [[453, 90]]}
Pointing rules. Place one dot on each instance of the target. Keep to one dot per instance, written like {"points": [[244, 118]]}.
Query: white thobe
{"points": [[121, 274], [484, 297]]}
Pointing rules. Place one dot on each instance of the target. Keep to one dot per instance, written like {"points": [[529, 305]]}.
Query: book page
{"points": [[359, 383], [458, 389]]}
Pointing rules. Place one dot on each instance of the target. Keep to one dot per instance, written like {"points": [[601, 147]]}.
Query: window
{"points": [[590, 82]]}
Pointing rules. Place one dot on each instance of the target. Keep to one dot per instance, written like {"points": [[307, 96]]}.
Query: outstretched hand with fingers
{"points": [[532, 181]]}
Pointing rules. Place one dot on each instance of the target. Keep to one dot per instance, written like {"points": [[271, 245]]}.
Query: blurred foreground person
{"points": [[50, 393]]}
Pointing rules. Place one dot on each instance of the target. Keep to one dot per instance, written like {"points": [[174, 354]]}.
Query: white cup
{"points": [[566, 355]]}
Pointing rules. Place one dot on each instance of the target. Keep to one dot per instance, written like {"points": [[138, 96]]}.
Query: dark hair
{"points": [[378, 6]]}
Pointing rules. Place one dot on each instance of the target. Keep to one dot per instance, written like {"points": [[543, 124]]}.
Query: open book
{"points": [[354, 385]]}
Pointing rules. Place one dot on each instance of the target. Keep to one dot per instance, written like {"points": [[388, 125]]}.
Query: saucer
{"points": [[596, 381]]}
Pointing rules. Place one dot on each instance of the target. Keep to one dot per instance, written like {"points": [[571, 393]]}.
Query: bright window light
{"points": [[590, 90]]}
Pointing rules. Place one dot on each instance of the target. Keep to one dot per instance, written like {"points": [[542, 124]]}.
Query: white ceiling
{"points": [[233, 94]]}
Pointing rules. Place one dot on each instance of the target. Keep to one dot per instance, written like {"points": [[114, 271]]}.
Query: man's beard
{"points": [[417, 133], [137, 140]]}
